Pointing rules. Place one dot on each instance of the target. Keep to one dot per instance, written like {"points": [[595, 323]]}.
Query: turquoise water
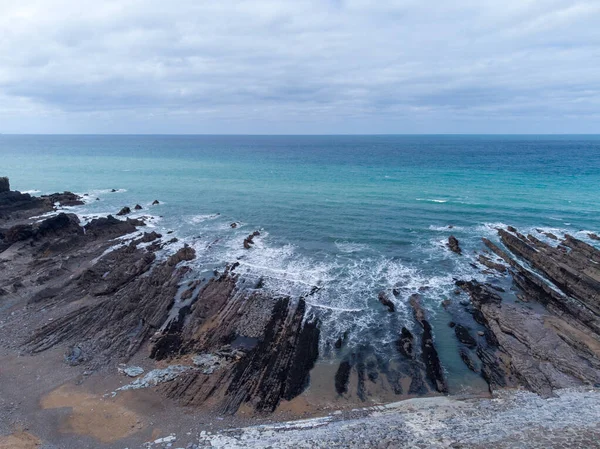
{"points": [[353, 215]]}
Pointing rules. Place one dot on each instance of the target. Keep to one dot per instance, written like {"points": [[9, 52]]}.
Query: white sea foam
{"points": [[351, 247], [197, 219], [446, 228], [432, 200]]}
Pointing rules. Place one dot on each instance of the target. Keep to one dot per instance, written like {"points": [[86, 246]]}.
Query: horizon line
{"points": [[299, 135]]}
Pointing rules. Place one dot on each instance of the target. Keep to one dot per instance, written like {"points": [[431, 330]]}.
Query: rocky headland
{"points": [[111, 301]]}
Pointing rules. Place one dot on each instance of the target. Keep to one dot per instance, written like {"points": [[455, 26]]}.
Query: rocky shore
{"points": [[107, 296]]}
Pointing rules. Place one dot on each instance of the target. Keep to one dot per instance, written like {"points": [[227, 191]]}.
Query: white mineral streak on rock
{"points": [[156, 377]]}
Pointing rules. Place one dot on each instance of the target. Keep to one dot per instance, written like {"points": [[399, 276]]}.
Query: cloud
{"points": [[304, 66]]}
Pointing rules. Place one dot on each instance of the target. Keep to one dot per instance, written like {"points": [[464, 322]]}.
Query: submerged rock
{"points": [[464, 336]]}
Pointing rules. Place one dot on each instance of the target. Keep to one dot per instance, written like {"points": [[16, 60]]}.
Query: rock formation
{"points": [[542, 348], [103, 304], [4, 184], [386, 301], [124, 211], [453, 245]]}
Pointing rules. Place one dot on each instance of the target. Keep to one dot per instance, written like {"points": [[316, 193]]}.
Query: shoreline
{"points": [[85, 301]]}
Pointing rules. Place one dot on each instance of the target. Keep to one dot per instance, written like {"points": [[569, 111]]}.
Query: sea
{"points": [[341, 218]]}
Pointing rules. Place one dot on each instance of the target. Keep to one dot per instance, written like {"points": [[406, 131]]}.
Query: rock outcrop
{"points": [[386, 301], [433, 366], [453, 245], [249, 241], [551, 346], [4, 184], [277, 347]]}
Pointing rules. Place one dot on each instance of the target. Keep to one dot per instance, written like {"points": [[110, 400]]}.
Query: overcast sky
{"points": [[300, 66]]}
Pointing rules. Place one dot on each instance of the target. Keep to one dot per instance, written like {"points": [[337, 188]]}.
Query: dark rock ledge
{"points": [[68, 288], [549, 337]]}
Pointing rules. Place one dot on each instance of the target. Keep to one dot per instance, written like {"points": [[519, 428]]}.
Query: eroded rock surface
{"points": [[549, 338], [102, 292]]}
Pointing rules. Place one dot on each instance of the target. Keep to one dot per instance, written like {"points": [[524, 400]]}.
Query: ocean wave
{"points": [[196, 219], [432, 200], [351, 247], [447, 228]]}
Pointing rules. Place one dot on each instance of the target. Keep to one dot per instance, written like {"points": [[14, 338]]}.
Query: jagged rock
{"points": [[4, 184], [575, 272], [233, 225], [64, 199], [539, 356], [113, 190], [123, 308], [136, 221], [383, 299], [433, 366], [249, 241], [550, 235], [453, 245], [150, 237], [405, 343], [21, 205], [138, 207], [18, 233], [491, 264], [276, 366], [60, 224], [108, 226], [593, 236], [124, 211], [155, 202]]}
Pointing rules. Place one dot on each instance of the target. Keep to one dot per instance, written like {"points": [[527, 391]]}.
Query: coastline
{"points": [[78, 301]]}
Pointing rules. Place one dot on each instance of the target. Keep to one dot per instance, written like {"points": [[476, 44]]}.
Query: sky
{"points": [[299, 66]]}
